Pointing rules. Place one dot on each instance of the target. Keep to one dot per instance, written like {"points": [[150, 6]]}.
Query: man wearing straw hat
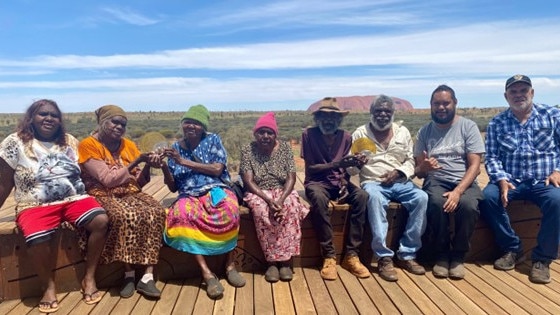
{"points": [[325, 149]]}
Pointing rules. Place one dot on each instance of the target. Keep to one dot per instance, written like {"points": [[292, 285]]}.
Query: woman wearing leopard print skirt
{"points": [[111, 174]]}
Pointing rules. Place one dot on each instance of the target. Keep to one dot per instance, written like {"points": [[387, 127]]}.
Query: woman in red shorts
{"points": [[40, 161]]}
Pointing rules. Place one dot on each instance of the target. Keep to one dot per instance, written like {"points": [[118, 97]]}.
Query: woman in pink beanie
{"points": [[269, 174]]}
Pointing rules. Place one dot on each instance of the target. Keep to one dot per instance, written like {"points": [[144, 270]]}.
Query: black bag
{"points": [[237, 188]]}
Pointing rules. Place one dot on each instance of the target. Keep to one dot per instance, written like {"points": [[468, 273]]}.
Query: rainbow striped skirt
{"points": [[194, 225]]}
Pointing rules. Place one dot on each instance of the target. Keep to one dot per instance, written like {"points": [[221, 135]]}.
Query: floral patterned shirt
{"points": [[269, 171], [191, 183]]}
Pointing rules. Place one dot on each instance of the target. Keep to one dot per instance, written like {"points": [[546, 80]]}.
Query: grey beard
{"points": [[379, 128]]}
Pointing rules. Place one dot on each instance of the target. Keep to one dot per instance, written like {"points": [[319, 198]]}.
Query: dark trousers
{"points": [[465, 218], [319, 197]]}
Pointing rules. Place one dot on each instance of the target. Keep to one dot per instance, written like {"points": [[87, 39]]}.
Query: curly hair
{"points": [[25, 130]]}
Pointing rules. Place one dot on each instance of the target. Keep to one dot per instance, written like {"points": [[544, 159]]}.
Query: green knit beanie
{"points": [[198, 113]]}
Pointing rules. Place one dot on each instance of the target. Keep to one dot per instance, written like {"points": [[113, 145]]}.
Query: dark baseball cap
{"points": [[518, 78]]}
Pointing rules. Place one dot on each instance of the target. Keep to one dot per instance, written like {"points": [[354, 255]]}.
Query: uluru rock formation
{"points": [[362, 103]]}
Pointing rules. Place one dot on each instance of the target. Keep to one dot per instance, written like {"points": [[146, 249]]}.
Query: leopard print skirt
{"points": [[136, 223]]}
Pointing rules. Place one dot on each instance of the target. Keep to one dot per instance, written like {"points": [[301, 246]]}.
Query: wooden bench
{"points": [[18, 279]]}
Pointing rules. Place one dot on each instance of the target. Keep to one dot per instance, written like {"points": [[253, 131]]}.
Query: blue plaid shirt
{"points": [[519, 152]]}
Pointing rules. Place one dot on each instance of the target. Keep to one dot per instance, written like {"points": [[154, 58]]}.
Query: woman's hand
{"points": [[155, 160], [171, 154], [276, 209]]}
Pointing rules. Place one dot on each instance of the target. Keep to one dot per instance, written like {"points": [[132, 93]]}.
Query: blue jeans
{"points": [[413, 199], [547, 198]]}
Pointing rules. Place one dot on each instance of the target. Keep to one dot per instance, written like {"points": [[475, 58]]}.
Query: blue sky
{"points": [[271, 55]]}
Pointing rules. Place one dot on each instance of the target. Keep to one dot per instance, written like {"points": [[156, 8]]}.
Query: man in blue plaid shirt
{"points": [[523, 162]]}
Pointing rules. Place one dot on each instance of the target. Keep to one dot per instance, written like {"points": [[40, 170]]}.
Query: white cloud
{"points": [[129, 16]]}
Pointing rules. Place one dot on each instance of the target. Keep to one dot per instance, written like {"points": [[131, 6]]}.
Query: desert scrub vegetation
{"points": [[235, 128]]}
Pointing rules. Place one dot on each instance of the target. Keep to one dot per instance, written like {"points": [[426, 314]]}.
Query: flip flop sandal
{"points": [[214, 288], [47, 307], [92, 300]]}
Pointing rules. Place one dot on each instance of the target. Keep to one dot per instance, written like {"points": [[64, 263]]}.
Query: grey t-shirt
{"points": [[450, 147]]}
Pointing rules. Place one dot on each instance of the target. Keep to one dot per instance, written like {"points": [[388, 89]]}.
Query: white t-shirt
{"points": [[44, 174]]}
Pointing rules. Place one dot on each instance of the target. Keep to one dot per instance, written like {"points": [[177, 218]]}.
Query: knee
{"points": [[421, 197], [491, 193], [315, 194], [99, 224], [362, 196], [435, 202]]}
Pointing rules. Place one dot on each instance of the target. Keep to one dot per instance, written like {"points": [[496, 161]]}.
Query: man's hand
{"points": [[452, 201], [362, 159], [348, 161], [553, 178], [505, 186], [390, 177], [428, 164]]}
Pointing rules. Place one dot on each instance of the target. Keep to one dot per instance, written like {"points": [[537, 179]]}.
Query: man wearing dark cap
{"points": [[523, 162], [325, 150]]}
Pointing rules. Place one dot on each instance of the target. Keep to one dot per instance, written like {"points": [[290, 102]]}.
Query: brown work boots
{"points": [[328, 272], [352, 263]]}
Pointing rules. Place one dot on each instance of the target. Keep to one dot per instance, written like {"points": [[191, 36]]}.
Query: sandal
{"points": [[48, 307], [92, 298], [214, 288], [234, 278]]}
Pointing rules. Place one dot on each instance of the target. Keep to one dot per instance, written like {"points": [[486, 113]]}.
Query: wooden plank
{"points": [[469, 298], [417, 294], [146, 305], [494, 295], [226, 304], [264, 303], [448, 303], [357, 293], [282, 296], [107, 304], [7, 306], [506, 285], [319, 293], [203, 304], [25, 306], [244, 303], [376, 294], [340, 297], [301, 296], [68, 302], [190, 292], [125, 306], [169, 296], [397, 296]]}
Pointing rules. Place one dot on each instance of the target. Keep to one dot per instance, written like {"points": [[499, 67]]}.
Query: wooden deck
{"points": [[484, 290]]}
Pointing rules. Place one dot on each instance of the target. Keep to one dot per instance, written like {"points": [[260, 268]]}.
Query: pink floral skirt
{"points": [[280, 240]]}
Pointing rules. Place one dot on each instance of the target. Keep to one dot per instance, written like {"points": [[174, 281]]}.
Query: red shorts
{"points": [[39, 223]]}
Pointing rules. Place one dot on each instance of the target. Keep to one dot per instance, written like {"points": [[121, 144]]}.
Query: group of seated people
{"points": [[96, 185]]}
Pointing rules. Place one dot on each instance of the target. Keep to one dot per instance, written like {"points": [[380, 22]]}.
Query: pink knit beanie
{"points": [[267, 120]]}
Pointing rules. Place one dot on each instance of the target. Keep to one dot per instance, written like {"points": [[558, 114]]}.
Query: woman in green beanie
{"points": [[204, 220]]}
